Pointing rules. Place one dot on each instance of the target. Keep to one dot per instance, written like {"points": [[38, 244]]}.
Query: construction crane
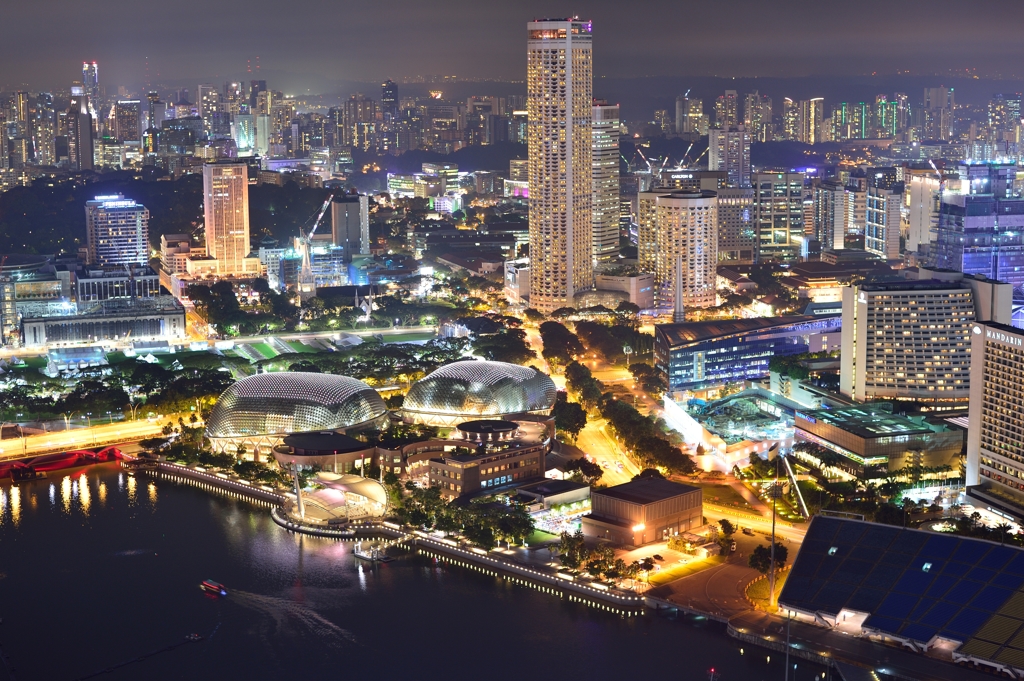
{"points": [[307, 282]]}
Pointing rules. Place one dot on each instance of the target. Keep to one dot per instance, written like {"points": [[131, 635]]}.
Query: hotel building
{"points": [[559, 91], [995, 433], [116, 231]]}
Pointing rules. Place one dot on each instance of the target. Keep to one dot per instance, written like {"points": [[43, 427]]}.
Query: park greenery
{"points": [[599, 561], [761, 558], [483, 522]]}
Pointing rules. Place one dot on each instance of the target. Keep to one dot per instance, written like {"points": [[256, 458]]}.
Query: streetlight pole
{"points": [[775, 501]]}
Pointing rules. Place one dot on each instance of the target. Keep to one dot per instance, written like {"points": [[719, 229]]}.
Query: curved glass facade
{"points": [[471, 389], [291, 402]]}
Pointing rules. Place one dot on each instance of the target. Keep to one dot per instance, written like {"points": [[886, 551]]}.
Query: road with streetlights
{"points": [[81, 438]]}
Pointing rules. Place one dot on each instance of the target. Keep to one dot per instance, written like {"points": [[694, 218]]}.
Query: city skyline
{"points": [[758, 40]]}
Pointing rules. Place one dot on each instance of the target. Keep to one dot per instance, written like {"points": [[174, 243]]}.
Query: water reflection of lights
{"points": [[103, 492], [65, 493], [152, 492], [84, 495], [131, 490], [53, 494], [16, 505], [362, 576]]}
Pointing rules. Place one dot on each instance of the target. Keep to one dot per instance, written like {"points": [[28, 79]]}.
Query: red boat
{"points": [[213, 588]]}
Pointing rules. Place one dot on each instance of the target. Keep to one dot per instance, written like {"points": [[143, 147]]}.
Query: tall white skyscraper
{"points": [[605, 151], [226, 214], [91, 84], [559, 90], [116, 231]]}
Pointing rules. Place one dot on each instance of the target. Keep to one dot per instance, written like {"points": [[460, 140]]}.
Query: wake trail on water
{"points": [[291, 617]]}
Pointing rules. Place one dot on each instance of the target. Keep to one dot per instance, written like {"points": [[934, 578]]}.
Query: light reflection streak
{"points": [[16, 505], [84, 496], [65, 493], [131, 490]]}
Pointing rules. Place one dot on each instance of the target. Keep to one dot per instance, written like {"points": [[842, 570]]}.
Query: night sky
{"points": [[315, 44]]}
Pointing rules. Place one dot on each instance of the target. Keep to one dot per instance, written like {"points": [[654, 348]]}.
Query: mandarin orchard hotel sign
{"points": [[1007, 338]]}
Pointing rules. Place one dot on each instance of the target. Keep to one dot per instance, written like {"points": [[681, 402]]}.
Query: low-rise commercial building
{"points": [[161, 317], [703, 355], [871, 438], [643, 511]]}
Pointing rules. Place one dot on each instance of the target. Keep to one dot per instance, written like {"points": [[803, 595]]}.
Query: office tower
{"points": [[4, 160], [995, 448], [729, 150], [226, 215], [680, 114], [726, 109], [937, 113], [736, 238], [830, 215], [79, 132], [757, 116], [981, 225], [778, 215], [234, 100], [605, 202], [925, 191], [255, 88], [389, 98], [262, 134], [127, 116], [155, 111], [21, 106], [912, 339], [519, 170], [207, 100], [350, 224], [882, 227], [243, 131], [685, 232], [91, 86], [559, 87], [44, 130], [809, 120], [116, 231]]}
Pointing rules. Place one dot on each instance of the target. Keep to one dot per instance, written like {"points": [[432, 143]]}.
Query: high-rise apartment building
{"points": [[360, 122], [737, 242], [680, 126], [255, 88], [116, 231], [809, 121], [830, 215], [911, 340], [995, 446], [727, 109], [389, 98], [729, 150], [883, 219], [559, 87], [681, 229], [924, 188], [226, 216], [937, 113], [207, 101], [981, 226], [127, 119], [757, 116], [44, 129], [695, 120], [790, 119], [779, 215], [605, 160]]}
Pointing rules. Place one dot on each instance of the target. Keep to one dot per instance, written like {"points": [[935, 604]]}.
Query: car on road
{"points": [[747, 530], [732, 547]]}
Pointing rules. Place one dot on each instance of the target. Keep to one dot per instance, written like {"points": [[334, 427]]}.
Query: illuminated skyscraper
{"points": [[757, 116], [937, 113], [679, 235], [207, 101], [809, 121], [559, 87], [226, 214], [727, 109], [44, 129], [605, 159], [389, 98], [778, 215], [116, 231], [729, 150], [91, 85], [127, 117], [79, 132]]}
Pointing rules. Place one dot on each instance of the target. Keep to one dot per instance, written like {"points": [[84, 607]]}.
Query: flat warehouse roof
{"points": [[646, 491]]}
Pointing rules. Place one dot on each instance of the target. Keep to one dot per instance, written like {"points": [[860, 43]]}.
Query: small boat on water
{"points": [[373, 554], [213, 588]]}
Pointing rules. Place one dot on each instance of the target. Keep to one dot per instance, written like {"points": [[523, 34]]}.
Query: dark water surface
{"points": [[98, 568]]}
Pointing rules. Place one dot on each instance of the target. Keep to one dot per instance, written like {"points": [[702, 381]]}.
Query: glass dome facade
{"points": [[258, 410], [470, 389]]}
